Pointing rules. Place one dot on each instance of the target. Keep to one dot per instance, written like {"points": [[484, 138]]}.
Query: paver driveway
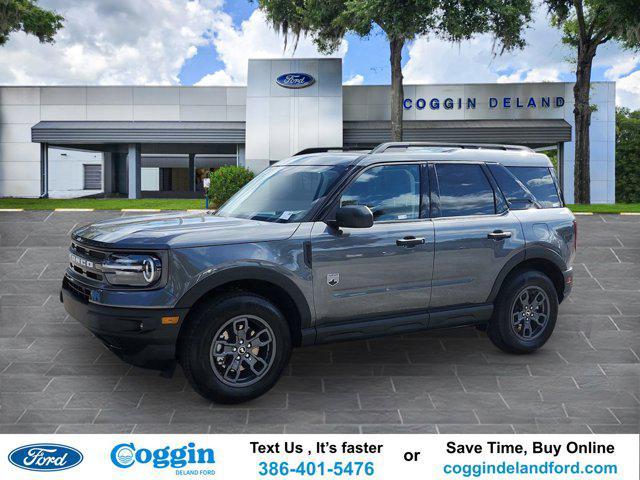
{"points": [[55, 377]]}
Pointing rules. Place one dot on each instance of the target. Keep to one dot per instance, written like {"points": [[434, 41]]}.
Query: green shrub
{"points": [[225, 182], [627, 156]]}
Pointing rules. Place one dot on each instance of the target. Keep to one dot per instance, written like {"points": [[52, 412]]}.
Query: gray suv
{"points": [[330, 246]]}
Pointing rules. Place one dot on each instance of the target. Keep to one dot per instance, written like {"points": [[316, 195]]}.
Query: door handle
{"points": [[409, 242], [498, 235]]}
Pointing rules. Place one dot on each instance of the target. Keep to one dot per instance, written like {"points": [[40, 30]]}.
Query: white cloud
{"points": [[434, 60], [113, 42], [253, 39], [628, 91], [550, 74], [218, 78], [356, 79], [627, 80], [625, 64]]}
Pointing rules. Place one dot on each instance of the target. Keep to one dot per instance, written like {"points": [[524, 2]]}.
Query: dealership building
{"points": [[139, 141]]}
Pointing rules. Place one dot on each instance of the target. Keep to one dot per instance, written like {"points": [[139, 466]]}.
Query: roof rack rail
{"points": [[383, 147], [307, 151]]}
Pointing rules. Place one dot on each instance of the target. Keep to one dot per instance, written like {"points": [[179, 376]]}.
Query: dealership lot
{"points": [[55, 377]]}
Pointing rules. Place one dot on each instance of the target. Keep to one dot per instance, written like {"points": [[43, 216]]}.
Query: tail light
{"points": [[575, 235]]}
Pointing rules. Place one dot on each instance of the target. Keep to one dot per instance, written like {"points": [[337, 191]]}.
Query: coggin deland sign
{"points": [[469, 103], [302, 80]]}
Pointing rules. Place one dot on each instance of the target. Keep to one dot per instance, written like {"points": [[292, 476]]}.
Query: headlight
{"points": [[132, 270]]}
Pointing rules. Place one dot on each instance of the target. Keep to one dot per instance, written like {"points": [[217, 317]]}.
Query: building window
{"points": [[92, 177]]}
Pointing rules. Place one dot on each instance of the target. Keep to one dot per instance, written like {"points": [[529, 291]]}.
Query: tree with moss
{"points": [[26, 16], [328, 21], [587, 24]]}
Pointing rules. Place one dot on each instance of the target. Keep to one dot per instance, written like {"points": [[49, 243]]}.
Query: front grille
{"points": [[91, 253], [79, 291], [92, 259]]}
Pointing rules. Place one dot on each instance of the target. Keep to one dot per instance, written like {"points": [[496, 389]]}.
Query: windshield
{"points": [[282, 194]]}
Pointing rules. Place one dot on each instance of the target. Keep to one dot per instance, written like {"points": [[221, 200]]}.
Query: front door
{"points": [[474, 235], [382, 270]]}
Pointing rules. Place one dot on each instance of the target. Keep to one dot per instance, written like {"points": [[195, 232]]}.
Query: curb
{"points": [[140, 210], [74, 209]]}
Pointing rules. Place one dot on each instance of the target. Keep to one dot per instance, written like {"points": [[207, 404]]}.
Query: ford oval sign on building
{"points": [[295, 80], [45, 457]]}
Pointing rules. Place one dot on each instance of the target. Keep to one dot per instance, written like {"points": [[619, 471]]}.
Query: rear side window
{"points": [[464, 190], [540, 182], [511, 187]]}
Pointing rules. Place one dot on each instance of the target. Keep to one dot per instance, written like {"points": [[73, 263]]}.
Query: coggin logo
{"points": [[45, 457], [125, 455]]}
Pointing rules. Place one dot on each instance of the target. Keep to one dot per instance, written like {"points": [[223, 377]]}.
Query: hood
{"points": [[180, 230]]}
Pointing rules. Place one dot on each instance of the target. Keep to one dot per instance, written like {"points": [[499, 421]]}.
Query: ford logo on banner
{"points": [[45, 457], [295, 80]]}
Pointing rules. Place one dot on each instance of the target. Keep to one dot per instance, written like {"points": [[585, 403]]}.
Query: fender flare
{"points": [[265, 274], [529, 253]]}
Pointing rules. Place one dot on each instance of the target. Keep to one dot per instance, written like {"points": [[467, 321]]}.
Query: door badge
{"points": [[333, 279]]}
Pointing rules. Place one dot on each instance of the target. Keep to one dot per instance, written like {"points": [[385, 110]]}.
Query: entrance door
{"points": [[382, 270]]}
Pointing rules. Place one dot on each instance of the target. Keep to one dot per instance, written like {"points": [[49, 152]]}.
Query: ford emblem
{"points": [[45, 457], [295, 80]]}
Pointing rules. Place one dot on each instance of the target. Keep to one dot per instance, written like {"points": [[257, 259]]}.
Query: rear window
{"points": [[541, 183]]}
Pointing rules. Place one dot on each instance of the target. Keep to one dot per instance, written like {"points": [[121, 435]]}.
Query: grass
{"points": [[195, 204], [103, 203], [602, 208]]}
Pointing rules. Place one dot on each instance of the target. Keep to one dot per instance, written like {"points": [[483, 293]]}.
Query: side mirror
{"points": [[354, 216]]}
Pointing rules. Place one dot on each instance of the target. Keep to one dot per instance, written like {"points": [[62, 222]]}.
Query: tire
{"points": [[516, 329], [215, 328]]}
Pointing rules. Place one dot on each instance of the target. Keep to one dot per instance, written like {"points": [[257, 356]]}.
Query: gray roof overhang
{"points": [[93, 132], [528, 132]]}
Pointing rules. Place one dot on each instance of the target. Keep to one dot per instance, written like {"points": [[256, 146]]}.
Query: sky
{"points": [[208, 42]]}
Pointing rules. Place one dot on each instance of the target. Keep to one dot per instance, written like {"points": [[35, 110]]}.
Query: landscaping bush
{"points": [[225, 182], [627, 156]]}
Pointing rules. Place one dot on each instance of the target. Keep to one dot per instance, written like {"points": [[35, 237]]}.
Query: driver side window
{"points": [[392, 192]]}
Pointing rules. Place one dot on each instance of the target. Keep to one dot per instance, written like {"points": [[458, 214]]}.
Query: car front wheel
{"points": [[235, 347], [525, 313]]}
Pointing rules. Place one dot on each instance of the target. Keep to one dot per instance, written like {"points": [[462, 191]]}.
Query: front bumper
{"points": [[136, 335]]}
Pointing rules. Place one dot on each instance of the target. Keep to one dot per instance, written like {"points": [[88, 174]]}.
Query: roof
{"points": [[88, 132], [510, 157], [505, 157], [324, 158]]}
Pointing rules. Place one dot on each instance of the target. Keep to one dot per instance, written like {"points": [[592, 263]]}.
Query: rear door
{"points": [[475, 234]]}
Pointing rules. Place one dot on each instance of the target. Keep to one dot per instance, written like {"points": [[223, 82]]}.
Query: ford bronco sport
{"points": [[331, 246]]}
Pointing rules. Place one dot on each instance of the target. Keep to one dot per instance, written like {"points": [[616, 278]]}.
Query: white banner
{"points": [[244, 457]]}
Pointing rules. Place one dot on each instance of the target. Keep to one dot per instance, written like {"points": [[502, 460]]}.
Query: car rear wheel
{"points": [[525, 312], [235, 347]]}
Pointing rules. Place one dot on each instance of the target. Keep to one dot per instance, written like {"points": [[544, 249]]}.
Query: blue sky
{"points": [[365, 56]]}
